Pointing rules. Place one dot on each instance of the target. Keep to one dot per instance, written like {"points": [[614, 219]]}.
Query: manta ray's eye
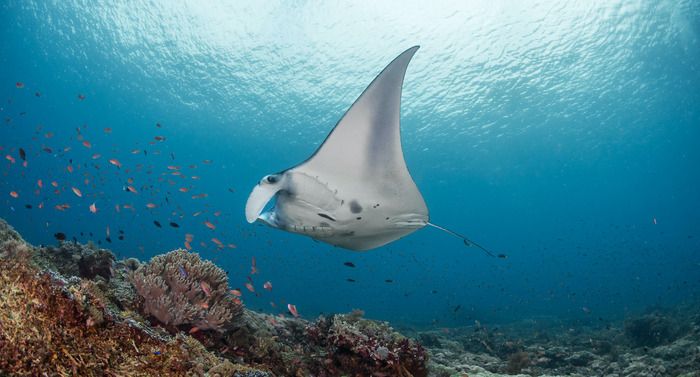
{"points": [[271, 179]]}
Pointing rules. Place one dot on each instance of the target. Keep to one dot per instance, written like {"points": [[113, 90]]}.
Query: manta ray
{"points": [[355, 191]]}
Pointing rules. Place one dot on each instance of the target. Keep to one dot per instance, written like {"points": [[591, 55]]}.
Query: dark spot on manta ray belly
{"points": [[355, 207], [326, 216]]}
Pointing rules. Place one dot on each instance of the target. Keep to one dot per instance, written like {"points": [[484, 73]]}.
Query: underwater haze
{"points": [[560, 134]]}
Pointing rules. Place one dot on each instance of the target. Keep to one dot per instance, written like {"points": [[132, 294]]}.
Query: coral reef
{"points": [[74, 259], [517, 361], [63, 313], [366, 347], [73, 309], [550, 347], [179, 288], [650, 330], [51, 325]]}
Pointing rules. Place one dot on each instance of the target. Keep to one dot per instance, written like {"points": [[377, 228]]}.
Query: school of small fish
{"points": [[88, 164]]}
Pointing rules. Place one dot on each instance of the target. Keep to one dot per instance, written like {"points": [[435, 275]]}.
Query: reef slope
{"points": [[75, 310]]}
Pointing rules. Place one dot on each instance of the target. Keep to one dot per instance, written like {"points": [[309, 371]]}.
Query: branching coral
{"points": [[179, 288]]}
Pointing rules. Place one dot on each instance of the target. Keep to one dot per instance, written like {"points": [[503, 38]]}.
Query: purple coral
{"points": [[179, 288]]}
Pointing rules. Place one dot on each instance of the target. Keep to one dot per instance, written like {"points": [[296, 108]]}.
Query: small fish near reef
{"points": [[293, 310], [205, 288]]}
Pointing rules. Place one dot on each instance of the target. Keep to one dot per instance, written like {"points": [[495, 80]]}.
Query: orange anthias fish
{"points": [[14, 194], [253, 267], [150, 205], [210, 225], [115, 162], [93, 208], [293, 309], [250, 287], [87, 144], [267, 285], [205, 288], [131, 189], [77, 192], [236, 292]]}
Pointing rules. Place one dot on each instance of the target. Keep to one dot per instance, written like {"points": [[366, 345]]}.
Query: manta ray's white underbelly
{"points": [[312, 208]]}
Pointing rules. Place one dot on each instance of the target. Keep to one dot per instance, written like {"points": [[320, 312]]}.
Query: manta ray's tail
{"points": [[466, 240]]}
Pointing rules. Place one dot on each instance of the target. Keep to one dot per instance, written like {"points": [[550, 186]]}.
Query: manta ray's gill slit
{"points": [[326, 216]]}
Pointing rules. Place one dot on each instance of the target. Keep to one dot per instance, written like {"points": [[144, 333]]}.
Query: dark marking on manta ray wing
{"points": [[326, 216], [355, 207]]}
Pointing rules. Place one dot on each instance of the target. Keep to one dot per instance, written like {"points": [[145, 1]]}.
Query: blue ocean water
{"points": [[562, 134]]}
